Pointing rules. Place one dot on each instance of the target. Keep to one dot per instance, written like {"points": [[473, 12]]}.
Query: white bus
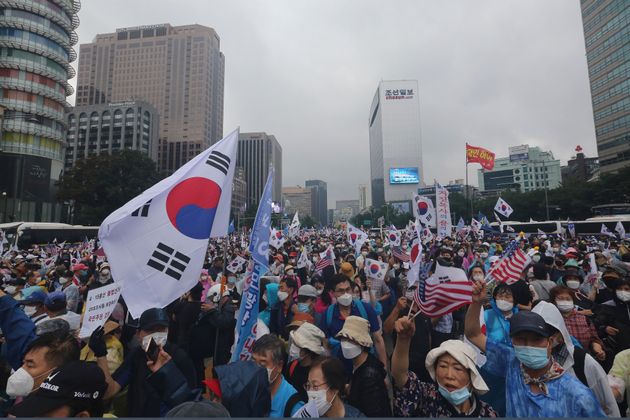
{"points": [[25, 234]]}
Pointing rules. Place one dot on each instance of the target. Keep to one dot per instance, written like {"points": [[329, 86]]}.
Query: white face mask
{"points": [[319, 397], [21, 383], [282, 296], [504, 305], [350, 350], [289, 273], [623, 296], [573, 284], [484, 255], [460, 253], [477, 277], [319, 292], [270, 376], [30, 311], [364, 253], [536, 258], [158, 337], [294, 352], [10, 290], [63, 280], [565, 305], [345, 299], [396, 266]]}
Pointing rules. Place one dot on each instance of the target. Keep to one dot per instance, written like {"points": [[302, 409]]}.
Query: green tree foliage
{"points": [[101, 184]]}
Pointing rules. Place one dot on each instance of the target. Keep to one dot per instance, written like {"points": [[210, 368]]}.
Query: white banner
{"points": [[98, 307], [443, 212]]}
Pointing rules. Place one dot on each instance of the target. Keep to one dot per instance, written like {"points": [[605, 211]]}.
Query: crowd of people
{"points": [[331, 340]]}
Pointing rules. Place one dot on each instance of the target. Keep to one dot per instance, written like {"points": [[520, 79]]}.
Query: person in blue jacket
{"points": [[536, 385], [18, 330]]}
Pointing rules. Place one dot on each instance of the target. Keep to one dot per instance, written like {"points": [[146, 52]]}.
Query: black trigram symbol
{"points": [[171, 262], [219, 160], [142, 211]]}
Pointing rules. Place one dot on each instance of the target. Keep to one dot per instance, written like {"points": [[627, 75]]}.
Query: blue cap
{"points": [[33, 295], [55, 301]]}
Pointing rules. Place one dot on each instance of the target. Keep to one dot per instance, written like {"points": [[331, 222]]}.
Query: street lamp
{"points": [[4, 212]]}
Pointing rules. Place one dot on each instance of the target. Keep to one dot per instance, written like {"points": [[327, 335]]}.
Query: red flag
{"points": [[479, 155]]}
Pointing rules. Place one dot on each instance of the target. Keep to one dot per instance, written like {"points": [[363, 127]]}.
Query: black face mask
{"points": [[444, 263]]}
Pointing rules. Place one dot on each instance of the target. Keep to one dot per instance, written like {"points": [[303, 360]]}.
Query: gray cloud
{"points": [[494, 73]]}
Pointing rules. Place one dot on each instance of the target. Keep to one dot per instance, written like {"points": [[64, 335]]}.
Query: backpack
{"points": [[332, 341], [579, 355]]}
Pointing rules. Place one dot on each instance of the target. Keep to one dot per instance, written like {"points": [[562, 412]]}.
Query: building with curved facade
{"points": [[106, 129], [36, 49]]}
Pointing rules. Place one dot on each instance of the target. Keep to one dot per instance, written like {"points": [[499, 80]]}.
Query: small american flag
{"points": [[400, 254], [511, 265], [445, 291], [326, 259]]}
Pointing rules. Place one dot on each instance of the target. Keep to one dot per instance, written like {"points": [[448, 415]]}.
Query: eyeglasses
{"points": [[313, 387]]}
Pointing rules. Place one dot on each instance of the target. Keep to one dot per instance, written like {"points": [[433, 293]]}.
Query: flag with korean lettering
{"points": [[442, 212], [356, 237], [503, 208], [375, 269], [393, 235], [620, 230], [246, 321], [156, 243], [236, 264], [423, 210]]}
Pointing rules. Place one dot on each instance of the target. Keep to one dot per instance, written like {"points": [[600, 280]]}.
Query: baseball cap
{"points": [[307, 290], [528, 321], [31, 297], [77, 383], [55, 301], [153, 317], [202, 408]]}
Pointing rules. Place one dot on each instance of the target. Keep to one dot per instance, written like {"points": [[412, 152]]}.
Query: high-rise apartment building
{"points": [[36, 49], [321, 200], [256, 153], [298, 199], [395, 142], [177, 69], [606, 34], [108, 128]]}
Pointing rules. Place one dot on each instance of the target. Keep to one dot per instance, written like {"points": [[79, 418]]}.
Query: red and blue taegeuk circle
{"points": [[375, 268], [422, 208], [392, 237], [191, 206]]}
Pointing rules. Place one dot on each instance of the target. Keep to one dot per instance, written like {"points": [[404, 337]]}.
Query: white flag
{"points": [[308, 411], [423, 210], [294, 228], [415, 257], [393, 236], [503, 208], [236, 264], [375, 269], [620, 230], [475, 225], [276, 239], [607, 232], [498, 219], [356, 237], [442, 212], [303, 259], [157, 242], [426, 235], [542, 234]]}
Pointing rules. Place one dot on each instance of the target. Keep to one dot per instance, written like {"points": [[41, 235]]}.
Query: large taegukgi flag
{"points": [[157, 242]]}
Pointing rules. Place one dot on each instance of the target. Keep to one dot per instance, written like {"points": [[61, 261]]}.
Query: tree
{"points": [[101, 184]]}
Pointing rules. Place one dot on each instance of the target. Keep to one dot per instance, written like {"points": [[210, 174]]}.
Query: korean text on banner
{"points": [[480, 155], [98, 307], [443, 212]]}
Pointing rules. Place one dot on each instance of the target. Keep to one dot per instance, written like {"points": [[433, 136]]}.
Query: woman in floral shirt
{"points": [[456, 380]]}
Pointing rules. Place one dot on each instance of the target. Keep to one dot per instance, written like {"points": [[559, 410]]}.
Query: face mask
{"points": [[364, 253], [455, 397], [289, 273], [623, 295], [269, 375], [350, 350], [63, 280], [282, 296], [460, 253], [555, 250], [264, 298], [104, 278], [532, 357], [10, 290], [319, 292], [204, 278], [504, 305], [232, 280], [319, 397], [294, 352], [21, 383], [396, 266], [30, 310], [536, 258], [573, 284], [484, 255], [477, 277], [303, 307], [158, 337], [345, 299], [564, 305]]}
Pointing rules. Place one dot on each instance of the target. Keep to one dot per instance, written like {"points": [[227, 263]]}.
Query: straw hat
{"points": [[309, 337], [347, 269], [465, 355], [356, 329]]}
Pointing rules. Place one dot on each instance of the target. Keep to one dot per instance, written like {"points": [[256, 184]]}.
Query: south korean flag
{"points": [[236, 265], [157, 242]]}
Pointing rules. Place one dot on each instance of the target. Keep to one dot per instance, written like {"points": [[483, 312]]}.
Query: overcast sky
{"points": [[493, 73]]}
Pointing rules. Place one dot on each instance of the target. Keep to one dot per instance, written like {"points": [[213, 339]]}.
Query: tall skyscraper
{"points": [[256, 153], [395, 142], [362, 197], [606, 35], [177, 69], [321, 200], [36, 40]]}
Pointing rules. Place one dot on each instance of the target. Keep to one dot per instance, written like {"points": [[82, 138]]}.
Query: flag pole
{"points": [[467, 189]]}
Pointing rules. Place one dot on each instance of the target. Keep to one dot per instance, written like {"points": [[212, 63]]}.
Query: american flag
{"points": [[326, 259], [400, 254], [511, 265], [447, 290]]}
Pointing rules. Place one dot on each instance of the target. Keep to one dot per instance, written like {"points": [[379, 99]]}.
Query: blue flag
{"points": [[231, 228], [259, 249]]}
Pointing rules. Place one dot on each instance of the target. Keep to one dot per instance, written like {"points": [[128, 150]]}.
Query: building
{"points": [[525, 169], [580, 168], [239, 192], [177, 69], [108, 128], [321, 200], [257, 152], [36, 49], [362, 197], [299, 199], [395, 142], [455, 186], [606, 37], [345, 209]]}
